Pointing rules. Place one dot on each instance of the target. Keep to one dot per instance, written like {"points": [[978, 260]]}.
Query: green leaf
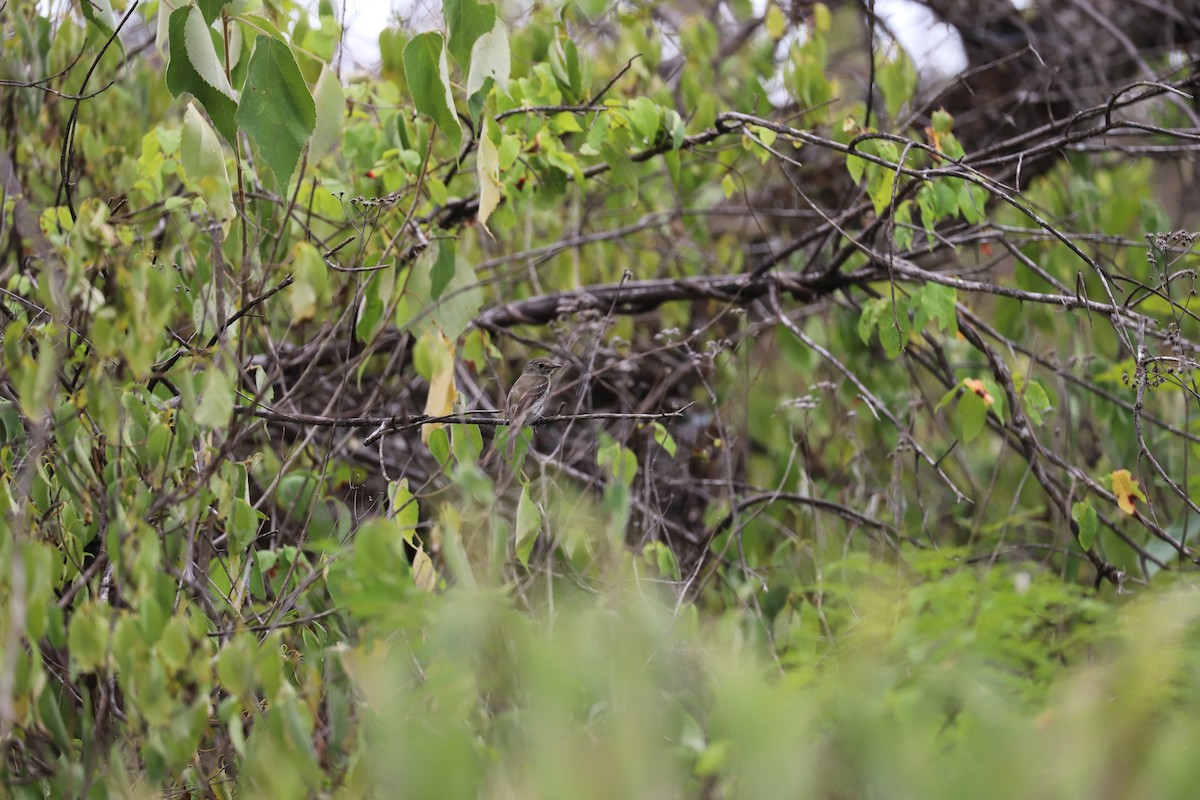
{"points": [[458, 303], [1037, 403], [428, 78], [439, 445], [658, 554], [442, 271], [1085, 517], [311, 282], [564, 61], [204, 163], [174, 646], [529, 523], [277, 110], [868, 320], [948, 396], [892, 337], [855, 166], [477, 99], [621, 462], [330, 102], [216, 400], [194, 68], [971, 413], [664, 438], [490, 58], [467, 20], [938, 302], [241, 524], [371, 307], [100, 13], [972, 202], [403, 508], [87, 637], [897, 79], [644, 113]]}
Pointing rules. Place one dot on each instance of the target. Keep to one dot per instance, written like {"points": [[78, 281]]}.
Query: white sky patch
{"points": [[934, 46]]}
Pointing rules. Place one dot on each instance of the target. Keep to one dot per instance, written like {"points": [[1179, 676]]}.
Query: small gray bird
{"points": [[527, 398]]}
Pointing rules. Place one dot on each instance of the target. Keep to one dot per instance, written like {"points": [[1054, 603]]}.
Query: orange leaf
{"points": [[1127, 491]]}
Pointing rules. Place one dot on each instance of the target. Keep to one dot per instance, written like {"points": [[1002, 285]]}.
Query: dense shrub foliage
{"points": [[867, 472]]}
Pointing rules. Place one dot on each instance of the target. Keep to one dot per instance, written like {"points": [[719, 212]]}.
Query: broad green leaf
{"points": [[277, 110], [971, 413], [402, 507], [475, 103], [202, 52], [1037, 402], [892, 337], [897, 77], [371, 307], [443, 268], [193, 67], [868, 319], [664, 438], [88, 636], [428, 78], [941, 121], [212, 8], [490, 58], [100, 13], [204, 162], [529, 523], [438, 192], [564, 61], [645, 114], [467, 20], [241, 523], [620, 460], [216, 400], [330, 102], [938, 302], [311, 282], [1085, 517], [855, 166]]}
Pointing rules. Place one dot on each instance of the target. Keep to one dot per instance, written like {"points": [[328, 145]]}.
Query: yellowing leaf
{"points": [[776, 23], [729, 186], [204, 163], [1127, 491], [822, 18], [487, 164], [434, 359], [424, 575], [977, 386]]}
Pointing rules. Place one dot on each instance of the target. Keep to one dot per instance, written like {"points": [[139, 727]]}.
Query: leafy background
{"points": [[868, 473]]}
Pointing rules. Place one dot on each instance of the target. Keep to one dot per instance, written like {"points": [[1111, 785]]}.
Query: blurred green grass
{"points": [[980, 682]]}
